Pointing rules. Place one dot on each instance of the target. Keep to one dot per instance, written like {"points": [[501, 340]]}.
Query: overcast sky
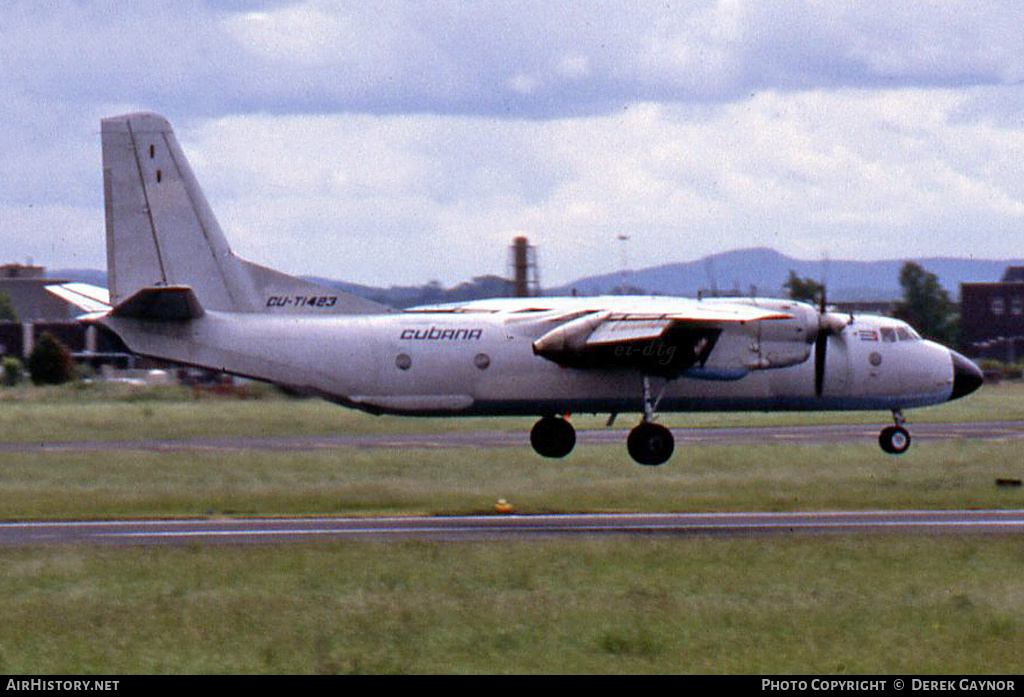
{"points": [[399, 142]]}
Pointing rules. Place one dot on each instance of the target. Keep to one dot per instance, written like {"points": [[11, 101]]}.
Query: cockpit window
{"points": [[904, 334], [888, 334]]}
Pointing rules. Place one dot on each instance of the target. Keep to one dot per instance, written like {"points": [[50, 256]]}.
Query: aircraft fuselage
{"points": [[442, 363]]}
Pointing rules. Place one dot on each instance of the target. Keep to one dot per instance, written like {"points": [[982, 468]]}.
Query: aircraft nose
{"points": [[967, 376]]}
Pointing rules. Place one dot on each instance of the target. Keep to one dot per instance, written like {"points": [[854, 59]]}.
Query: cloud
{"points": [[514, 59], [857, 174], [392, 142]]}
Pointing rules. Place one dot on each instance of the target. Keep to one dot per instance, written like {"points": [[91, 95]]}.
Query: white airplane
{"points": [[176, 292]]}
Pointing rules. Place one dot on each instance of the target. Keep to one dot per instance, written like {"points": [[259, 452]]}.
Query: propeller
{"points": [[828, 325], [820, 347]]}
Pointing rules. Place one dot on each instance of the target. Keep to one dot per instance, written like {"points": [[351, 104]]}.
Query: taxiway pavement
{"points": [[514, 439], [268, 531]]}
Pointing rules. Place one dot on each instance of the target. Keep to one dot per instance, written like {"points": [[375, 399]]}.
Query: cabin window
{"points": [[482, 361], [152, 151], [159, 176], [403, 361]]}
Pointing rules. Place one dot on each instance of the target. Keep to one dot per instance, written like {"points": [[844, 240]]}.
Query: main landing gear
{"points": [[553, 436], [648, 443], [895, 439]]}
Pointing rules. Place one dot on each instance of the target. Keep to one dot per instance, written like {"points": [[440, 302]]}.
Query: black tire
{"points": [[894, 440], [650, 444], [553, 437]]}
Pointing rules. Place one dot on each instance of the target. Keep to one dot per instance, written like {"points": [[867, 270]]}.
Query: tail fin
{"points": [[162, 232]]}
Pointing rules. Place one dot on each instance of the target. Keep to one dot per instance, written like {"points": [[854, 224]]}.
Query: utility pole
{"points": [[624, 239]]}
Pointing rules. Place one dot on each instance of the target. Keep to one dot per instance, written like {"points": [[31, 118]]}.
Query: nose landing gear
{"points": [[895, 439]]}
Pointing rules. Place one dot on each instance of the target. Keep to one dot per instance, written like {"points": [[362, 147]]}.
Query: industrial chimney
{"points": [[525, 282]]}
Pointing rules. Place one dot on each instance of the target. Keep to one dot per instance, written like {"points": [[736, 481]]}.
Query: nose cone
{"points": [[967, 376]]}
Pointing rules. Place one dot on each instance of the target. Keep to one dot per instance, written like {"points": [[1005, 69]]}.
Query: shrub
{"points": [[50, 362], [11, 372]]}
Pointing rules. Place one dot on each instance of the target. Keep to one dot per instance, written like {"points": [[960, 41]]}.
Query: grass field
{"points": [[773, 477], [837, 605], [918, 605], [122, 412]]}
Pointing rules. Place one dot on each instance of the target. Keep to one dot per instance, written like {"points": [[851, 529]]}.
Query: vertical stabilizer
{"points": [[162, 232]]}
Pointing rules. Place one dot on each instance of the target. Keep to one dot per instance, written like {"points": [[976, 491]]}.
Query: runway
{"points": [[271, 531], [498, 439]]}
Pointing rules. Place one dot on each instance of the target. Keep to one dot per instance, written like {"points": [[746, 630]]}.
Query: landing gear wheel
{"points": [[650, 444], [894, 440], [553, 437]]}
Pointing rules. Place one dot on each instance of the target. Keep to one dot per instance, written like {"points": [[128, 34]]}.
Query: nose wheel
{"points": [[895, 439]]}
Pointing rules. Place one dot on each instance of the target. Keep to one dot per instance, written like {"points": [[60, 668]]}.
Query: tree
{"points": [[926, 305], [7, 311], [803, 289], [50, 362]]}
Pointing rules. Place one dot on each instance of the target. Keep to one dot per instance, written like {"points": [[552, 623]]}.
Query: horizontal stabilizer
{"points": [[161, 303], [83, 296]]}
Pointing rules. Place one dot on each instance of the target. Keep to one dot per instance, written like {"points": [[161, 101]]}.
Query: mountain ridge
{"points": [[759, 269], [765, 270]]}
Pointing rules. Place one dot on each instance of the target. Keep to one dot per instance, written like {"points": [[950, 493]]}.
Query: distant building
{"points": [[1014, 274], [864, 307], [39, 311], [25, 287], [992, 317]]}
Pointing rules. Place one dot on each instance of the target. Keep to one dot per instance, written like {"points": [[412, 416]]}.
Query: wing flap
{"points": [[614, 331]]}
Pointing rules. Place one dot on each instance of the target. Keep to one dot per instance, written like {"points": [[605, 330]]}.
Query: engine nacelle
{"points": [[777, 343]]}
